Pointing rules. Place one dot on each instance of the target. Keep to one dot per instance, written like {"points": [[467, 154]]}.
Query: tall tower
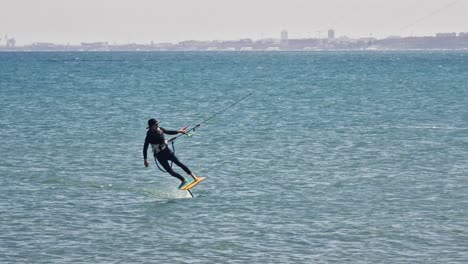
{"points": [[331, 34], [284, 36]]}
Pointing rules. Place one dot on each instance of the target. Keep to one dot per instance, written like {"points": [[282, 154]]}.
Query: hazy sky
{"points": [[143, 21]]}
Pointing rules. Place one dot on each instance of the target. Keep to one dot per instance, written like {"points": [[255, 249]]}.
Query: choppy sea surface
{"points": [[333, 157]]}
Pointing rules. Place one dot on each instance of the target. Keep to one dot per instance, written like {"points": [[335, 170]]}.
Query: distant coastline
{"points": [[440, 42]]}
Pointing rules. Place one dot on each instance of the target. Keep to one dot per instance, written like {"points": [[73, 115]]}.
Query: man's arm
{"points": [[169, 132], [145, 151]]}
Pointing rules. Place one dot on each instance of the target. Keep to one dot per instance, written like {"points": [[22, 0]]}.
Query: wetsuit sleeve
{"points": [[145, 147], [169, 132]]}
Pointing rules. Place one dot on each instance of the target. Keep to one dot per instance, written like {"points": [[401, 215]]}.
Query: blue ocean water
{"points": [[334, 158]]}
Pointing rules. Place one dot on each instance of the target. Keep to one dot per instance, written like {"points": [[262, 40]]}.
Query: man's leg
{"points": [[181, 165], [165, 164]]}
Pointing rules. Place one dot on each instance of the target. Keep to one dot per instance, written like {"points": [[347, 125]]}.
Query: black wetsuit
{"points": [[165, 154]]}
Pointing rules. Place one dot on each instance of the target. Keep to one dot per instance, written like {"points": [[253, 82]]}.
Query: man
{"points": [[161, 152]]}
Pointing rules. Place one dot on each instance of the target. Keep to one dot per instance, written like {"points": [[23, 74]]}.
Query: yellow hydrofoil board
{"points": [[192, 184]]}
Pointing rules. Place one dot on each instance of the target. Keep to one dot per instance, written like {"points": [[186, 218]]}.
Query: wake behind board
{"points": [[192, 184]]}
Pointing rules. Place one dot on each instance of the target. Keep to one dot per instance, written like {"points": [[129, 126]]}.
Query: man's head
{"points": [[153, 123]]}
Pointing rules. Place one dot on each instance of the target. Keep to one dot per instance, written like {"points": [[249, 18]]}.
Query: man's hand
{"points": [[146, 163], [182, 130]]}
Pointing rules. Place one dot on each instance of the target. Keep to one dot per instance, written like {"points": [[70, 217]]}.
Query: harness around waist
{"points": [[158, 148]]}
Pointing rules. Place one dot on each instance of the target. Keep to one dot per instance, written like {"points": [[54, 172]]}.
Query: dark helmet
{"points": [[152, 121]]}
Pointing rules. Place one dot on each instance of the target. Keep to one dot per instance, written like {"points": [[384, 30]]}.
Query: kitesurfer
{"points": [[161, 152]]}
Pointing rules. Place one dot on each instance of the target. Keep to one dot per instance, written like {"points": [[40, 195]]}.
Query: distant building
{"points": [[331, 34], [10, 43], [94, 44], [43, 45], [268, 41], [284, 37], [446, 35], [246, 41]]}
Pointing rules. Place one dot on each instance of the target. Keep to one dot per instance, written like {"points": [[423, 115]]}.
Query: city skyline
{"points": [[441, 41], [281, 36], [144, 21]]}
